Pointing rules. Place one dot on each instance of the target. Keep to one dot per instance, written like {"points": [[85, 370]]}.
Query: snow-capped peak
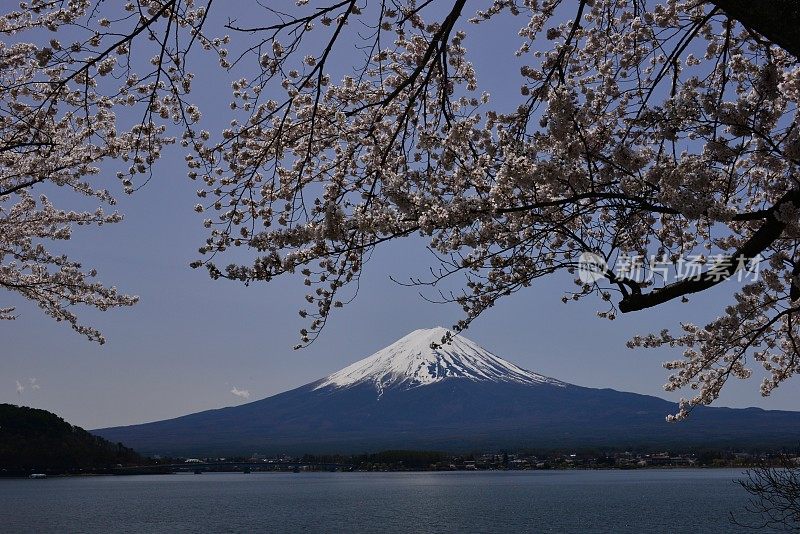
{"points": [[411, 362]]}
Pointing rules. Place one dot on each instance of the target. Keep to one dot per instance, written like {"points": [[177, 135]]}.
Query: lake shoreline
{"points": [[144, 472]]}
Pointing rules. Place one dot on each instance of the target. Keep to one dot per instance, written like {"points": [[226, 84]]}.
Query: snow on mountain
{"points": [[411, 362]]}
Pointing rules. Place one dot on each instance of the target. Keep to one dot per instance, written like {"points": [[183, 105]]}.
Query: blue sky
{"points": [[191, 340]]}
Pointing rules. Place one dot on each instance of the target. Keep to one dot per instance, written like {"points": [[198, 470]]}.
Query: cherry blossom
{"points": [[642, 129], [62, 76]]}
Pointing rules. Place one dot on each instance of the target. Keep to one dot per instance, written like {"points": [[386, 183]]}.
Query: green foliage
{"points": [[407, 458], [32, 439], [395, 458]]}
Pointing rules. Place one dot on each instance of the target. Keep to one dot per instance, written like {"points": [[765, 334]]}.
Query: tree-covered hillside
{"points": [[32, 439]]}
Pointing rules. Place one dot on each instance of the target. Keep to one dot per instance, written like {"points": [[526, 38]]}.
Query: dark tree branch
{"points": [[777, 20], [769, 232]]}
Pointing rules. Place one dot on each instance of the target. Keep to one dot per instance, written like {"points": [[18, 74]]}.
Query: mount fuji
{"points": [[420, 359], [421, 393]]}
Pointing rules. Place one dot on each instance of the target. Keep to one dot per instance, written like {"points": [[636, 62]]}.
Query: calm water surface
{"points": [[539, 501]]}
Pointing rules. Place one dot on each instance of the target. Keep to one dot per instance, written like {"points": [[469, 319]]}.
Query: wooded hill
{"points": [[37, 440]]}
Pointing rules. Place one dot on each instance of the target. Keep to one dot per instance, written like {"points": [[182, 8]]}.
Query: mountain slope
{"points": [[37, 439], [454, 397]]}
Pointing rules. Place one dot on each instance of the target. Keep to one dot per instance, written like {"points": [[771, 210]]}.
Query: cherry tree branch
{"points": [[777, 20], [765, 236]]}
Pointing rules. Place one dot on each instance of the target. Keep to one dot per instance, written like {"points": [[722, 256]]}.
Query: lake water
{"points": [[529, 501]]}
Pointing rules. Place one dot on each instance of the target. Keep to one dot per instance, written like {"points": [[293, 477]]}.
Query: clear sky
{"points": [[192, 340]]}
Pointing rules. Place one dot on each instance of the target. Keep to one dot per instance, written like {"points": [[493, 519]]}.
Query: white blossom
{"points": [[665, 130]]}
